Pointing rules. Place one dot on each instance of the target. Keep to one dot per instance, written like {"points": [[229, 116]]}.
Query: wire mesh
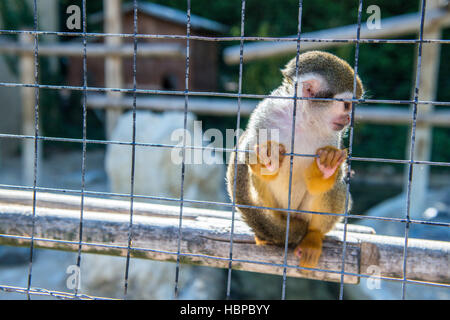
{"points": [[350, 150], [135, 36], [133, 150], [238, 125]]}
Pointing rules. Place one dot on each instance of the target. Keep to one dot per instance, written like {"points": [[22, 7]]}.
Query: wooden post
{"points": [[48, 12], [28, 104], [113, 64], [427, 91]]}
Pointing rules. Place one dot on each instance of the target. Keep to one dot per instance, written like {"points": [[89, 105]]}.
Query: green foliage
{"points": [[15, 15]]}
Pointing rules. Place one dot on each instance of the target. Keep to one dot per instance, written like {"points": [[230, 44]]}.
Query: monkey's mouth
{"points": [[338, 126]]}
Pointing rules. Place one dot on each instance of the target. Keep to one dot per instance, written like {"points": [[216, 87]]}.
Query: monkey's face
{"points": [[340, 112], [330, 116]]}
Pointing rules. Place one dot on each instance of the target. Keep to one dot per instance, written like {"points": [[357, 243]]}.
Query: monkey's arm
{"points": [[321, 175], [326, 194]]}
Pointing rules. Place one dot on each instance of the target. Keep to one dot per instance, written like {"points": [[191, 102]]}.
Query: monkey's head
{"points": [[323, 75]]}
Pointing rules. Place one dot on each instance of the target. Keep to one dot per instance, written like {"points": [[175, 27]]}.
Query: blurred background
{"points": [[378, 188]]}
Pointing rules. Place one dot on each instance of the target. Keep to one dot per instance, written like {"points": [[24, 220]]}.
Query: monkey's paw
{"points": [[270, 155], [260, 242], [309, 250], [330, 158]]}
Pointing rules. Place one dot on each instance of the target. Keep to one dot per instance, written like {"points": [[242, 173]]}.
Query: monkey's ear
{"points": [[310, 88], [289, 71], [287, 75]]}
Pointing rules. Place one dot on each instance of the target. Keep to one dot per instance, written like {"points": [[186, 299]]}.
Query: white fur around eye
{"points": [[344, 95]]}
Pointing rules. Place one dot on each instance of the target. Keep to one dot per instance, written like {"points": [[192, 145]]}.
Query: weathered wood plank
{"points": [[200, 237], [64, 201], [427, 260], [205, 238]]}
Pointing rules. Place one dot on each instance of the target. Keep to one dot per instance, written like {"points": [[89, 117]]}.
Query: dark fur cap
{"points": [[337, 72]]}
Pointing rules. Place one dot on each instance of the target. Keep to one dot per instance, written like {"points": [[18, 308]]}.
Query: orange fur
{"points": [[310, 249], [265, 155], [260, 242], [315, 182]]}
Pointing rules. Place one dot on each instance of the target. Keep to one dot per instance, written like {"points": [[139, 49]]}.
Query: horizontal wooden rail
{"points": [[163, 50], [205, 239], [390, 27], [228, 107]]}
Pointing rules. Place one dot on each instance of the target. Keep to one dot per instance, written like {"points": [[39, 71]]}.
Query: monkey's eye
{"points": [[347, 106]]}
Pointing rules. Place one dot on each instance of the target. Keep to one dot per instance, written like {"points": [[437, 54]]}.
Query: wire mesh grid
{"points": [[407, 220]]}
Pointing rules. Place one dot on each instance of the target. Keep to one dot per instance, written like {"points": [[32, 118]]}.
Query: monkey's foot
{"points": [[270, 155], [330, 158], [309, 250], [260, 242]]}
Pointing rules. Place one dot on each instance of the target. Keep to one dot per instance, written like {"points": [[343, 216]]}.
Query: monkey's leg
{"points": [[256, 218], [269, 156], [310, 248], [325, 195]]}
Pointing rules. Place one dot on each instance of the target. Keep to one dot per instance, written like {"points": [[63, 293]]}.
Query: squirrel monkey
{"points": [[317, 182]]}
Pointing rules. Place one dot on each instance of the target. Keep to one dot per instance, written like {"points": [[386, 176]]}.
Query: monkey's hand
{"points": [[321, 175], [269, 156]]}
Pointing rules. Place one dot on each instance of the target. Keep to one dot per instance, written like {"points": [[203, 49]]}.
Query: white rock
{"points": [[157, 175]]}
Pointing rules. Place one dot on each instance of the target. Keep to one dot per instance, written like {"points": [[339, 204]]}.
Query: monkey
{"points": [[318, 181]]}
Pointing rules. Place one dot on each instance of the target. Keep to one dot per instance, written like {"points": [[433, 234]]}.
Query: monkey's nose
{"points": [[344, 119], [340, 122], [347, 118]]}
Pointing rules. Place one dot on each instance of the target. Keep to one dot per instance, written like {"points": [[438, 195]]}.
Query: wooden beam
{"points": [[71, 202], [200, 236], [205, 240], [204, 106], [147, 50], [391, 27], [228, 107]]}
